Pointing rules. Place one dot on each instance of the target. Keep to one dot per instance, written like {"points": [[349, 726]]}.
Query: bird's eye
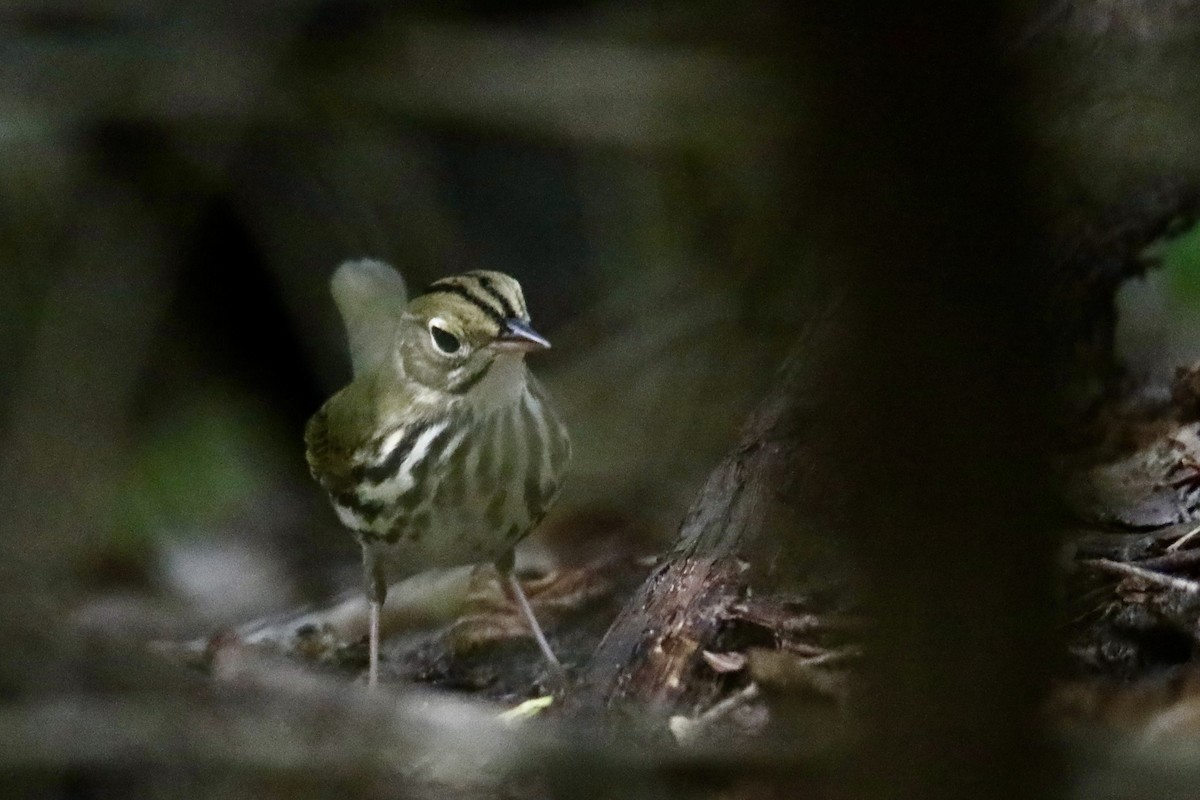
{"points": [[444, 340]]}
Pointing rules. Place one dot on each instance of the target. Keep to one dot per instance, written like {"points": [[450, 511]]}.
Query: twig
{"points": [[1179, 558], [804, 649], [686, 730], [1182, 540], [1130, 570], [831, 657]]}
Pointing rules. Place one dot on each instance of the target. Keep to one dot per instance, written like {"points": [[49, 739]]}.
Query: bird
{"points": [[443, 450]]}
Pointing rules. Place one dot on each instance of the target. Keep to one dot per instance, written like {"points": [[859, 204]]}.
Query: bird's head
{"points": [[452, 333]]}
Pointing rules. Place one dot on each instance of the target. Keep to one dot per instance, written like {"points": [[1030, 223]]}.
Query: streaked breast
{"points": [[462, 488]]}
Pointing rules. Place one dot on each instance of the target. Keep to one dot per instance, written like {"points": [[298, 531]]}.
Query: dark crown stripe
{"points": [[469, 296], [378, 473], [488, 286]]}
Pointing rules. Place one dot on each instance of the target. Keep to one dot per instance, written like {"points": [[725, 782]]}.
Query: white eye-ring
{"points": [[445, 341]]}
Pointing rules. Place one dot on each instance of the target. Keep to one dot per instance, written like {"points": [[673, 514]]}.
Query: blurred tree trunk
{"points": [[910, 426]]}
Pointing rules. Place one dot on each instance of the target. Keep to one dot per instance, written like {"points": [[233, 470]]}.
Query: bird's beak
{"points": [[517, 337]]}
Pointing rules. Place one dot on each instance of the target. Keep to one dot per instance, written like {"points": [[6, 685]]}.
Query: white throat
{"points": [[503, 384]]}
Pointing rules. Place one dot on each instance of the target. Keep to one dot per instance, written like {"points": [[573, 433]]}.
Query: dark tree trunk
{"points": [[919, 419]]}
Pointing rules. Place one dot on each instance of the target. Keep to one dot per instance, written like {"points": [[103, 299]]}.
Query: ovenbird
{"points": [[443, 450]]}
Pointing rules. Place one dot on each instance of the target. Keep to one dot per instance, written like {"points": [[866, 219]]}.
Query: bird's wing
{"points": [[341, 434], [333, 437], [371, 297], [327, 460]]}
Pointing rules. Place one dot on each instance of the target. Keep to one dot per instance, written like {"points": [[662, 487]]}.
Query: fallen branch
{"points": [[1134, 571]]}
